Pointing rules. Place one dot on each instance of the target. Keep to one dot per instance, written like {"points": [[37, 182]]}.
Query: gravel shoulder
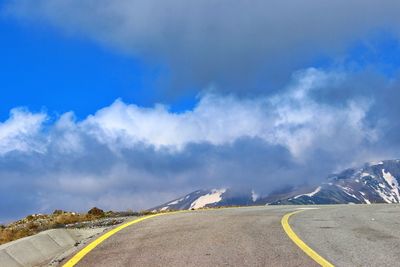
{"points": [[89, 231]]}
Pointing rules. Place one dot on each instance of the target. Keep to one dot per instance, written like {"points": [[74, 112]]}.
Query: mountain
{"points": [[209, 198], [372, 183]]}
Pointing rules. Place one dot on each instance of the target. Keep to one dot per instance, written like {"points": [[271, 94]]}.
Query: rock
{"points": [[58, 212], [96, 212]]}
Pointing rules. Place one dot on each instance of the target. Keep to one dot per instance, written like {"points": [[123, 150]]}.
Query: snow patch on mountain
{"points": [[310, 194], [375, 163], [386, 198], [393, 184], [366, 201], [348, 191], [213, 197], [175, 201]]}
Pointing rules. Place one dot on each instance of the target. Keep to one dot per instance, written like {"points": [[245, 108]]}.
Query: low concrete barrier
{"points": [[43, 247]]}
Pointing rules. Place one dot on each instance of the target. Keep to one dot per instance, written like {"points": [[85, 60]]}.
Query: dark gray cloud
{"points": [[143, 177], [237, 45]]}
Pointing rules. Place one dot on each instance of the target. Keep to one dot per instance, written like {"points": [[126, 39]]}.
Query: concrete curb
{"points": [[43, 247]]}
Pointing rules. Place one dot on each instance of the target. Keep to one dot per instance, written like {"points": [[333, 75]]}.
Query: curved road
{"points": [[346, 235], [353, 235]]}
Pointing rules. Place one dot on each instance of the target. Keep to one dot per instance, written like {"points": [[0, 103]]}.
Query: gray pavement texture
{"points": [[346, 235], [224, 237], [352, 235]]}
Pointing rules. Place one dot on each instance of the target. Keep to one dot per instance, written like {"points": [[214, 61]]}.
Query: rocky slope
{"points": [[35, 223]]}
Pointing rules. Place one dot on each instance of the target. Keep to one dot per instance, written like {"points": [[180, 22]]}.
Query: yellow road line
{"points": [[75, 259], [303, 246], [285, 224]]}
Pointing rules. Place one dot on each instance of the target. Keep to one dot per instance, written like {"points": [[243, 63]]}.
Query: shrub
{"points": [[58, 212], [145, 212], [96, 212]]}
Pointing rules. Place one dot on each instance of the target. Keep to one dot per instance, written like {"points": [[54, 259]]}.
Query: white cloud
{"points": [[302, 123], [66, 135], [293, 119], [147, 155], [216, 120], [20, 132]]}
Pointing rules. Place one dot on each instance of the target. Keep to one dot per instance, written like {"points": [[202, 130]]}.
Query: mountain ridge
{"points": [[373, 182]]}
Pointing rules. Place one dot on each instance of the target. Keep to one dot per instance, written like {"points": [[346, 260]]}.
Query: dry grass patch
{"points": [[36, 223]]}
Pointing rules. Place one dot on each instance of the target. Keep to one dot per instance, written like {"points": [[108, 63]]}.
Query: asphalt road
{"points": [[352, 235], [346, 235]]}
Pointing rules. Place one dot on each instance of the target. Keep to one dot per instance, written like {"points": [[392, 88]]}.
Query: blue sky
{"points": [[125, 104], [45, 70]]}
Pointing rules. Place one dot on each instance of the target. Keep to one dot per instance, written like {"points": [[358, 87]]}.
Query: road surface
{"points": [[345, 235], [353, 235]]}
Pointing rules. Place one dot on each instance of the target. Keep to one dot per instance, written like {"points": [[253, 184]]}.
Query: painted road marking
{"points": [[285, 224], [300, 243], [75, 259]]}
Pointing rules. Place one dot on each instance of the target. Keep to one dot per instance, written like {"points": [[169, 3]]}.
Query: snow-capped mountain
{"points": [[372, 183], [210, 198]]}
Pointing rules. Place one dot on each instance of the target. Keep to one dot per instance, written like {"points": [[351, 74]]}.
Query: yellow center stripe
{"points": [[75, 259], [303, 246]]}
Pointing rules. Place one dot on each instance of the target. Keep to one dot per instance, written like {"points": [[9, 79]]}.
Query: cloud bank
{"points": [[126, 156], [235, 44]]}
